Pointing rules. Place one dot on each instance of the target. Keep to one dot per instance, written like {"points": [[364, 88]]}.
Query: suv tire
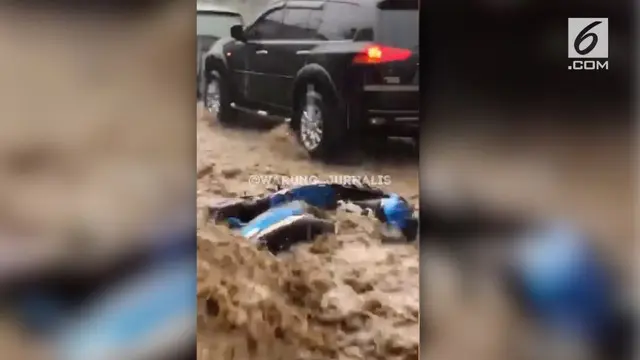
{"points": [[217, 100], [319, 123]]}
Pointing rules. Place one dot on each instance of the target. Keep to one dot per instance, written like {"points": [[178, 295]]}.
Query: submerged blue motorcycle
{"points": [[283, 218]]}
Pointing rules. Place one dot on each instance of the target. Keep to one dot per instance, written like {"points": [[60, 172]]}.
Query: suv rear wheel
{"points": [[319, 123]]}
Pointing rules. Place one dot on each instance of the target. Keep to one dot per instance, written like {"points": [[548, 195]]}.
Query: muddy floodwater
{"points": [[342, 297]]}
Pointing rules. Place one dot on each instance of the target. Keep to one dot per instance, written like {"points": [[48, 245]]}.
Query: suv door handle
{"points": [[303, 52], [261, 52]]}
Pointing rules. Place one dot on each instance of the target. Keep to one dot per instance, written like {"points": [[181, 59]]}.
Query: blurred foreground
{"points": [[541, 163], [95, 162], [78, 111]]}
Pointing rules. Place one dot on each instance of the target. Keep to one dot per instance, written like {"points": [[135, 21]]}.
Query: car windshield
{"points": [[216, 24]]}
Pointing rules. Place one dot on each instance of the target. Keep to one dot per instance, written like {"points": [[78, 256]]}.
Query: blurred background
{"points": [[511, 133], [96, 161]]}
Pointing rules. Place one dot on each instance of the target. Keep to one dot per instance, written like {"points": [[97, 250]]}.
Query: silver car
{"points": [[213, 23]]}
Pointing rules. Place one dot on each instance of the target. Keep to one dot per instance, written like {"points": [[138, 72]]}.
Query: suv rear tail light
{"points": [[377, 54]]}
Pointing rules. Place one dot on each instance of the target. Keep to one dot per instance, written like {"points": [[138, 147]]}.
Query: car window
{"points": [[215, 25], [342, 21], [267, 26], [296, 24], [398, 24]]}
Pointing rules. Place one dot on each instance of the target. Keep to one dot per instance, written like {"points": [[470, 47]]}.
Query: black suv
{"points": [[335, 69]]}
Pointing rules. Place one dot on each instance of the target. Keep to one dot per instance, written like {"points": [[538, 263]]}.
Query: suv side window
{"points": [[296, 24], [267, 27], [342, 21]]}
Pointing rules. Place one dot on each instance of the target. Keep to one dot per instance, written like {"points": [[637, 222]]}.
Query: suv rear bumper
{"points": [[392, 109]]}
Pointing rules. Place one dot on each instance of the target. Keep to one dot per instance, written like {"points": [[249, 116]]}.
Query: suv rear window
{"points": [[342, 21], [398, 24]]}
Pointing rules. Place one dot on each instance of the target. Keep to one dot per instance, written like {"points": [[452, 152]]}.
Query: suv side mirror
{"points": [[237, 32]]}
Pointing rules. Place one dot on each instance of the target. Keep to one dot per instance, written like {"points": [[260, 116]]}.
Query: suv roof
{"points": [[210, 7]]}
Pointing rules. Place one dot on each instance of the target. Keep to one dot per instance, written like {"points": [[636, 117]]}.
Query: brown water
{"points": [[342, 297]]}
